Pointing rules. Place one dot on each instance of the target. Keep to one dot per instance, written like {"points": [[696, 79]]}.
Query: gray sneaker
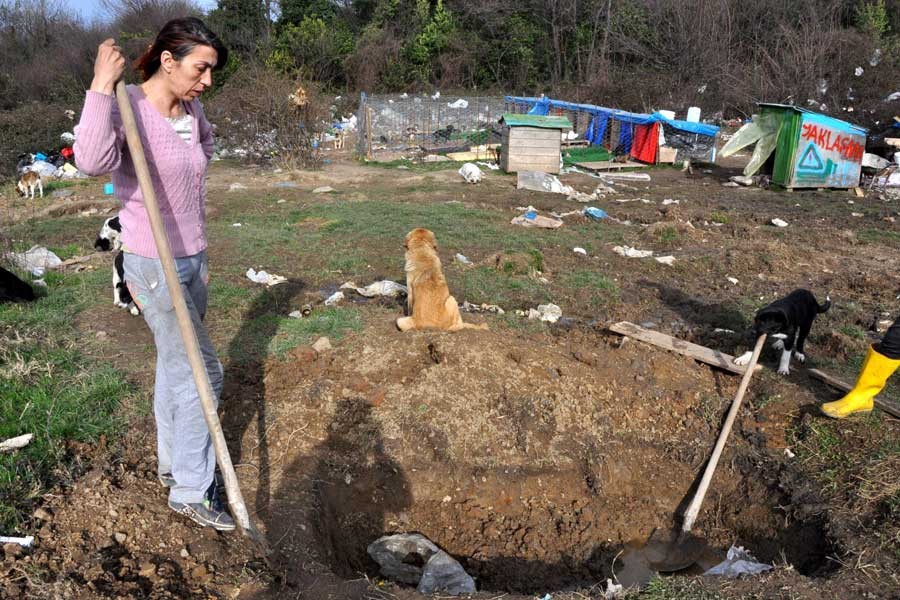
{"points": [[209, 513]]}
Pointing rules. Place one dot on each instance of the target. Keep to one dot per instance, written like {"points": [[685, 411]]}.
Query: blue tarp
{"points": [[619, 115]]}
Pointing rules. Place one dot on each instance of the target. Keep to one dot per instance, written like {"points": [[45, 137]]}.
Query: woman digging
{"points": [[177, 139]]}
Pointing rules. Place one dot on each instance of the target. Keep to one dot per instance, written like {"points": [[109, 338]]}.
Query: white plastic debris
{"points": [[36, 260], [236, 186], [334, 298], [614, 590], [858, 71], [263, 277], [539, 181], [474, 308], [458, 103], [779, 223], [295, 314], [669, 201], [666, 260], [892, 97], [490, 165], [629, 252], [39, 282], [436, 95], [42, 168], [738, 562], [788, 453], [379, 288], [462, 259], [68, 138], [13, 444], [550, 313], [470, 173], [733, 280], [236, 225], [873, 161], [325, 189], [579, 250], [25, 542]]}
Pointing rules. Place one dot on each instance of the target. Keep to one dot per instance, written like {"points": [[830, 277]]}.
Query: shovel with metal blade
{"points": [[668, 551]]}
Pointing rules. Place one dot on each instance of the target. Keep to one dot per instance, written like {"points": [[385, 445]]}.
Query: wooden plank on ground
{"points": [[80, 259], [886, 405], [695, 351], [606, 165]]}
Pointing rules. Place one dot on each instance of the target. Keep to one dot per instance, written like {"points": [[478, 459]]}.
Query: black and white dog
{"points": [[108, 239], [13, 289], [788, 320]]}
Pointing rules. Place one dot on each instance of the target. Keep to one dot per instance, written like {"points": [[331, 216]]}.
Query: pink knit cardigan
{"points": [[177, 169]]}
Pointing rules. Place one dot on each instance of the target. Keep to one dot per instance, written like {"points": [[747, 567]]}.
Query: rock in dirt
{"points": [[120, 537], [322, 344], [62, 193], [402, 557], [443, 574]]}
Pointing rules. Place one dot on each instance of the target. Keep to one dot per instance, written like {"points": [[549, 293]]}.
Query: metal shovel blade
{"points": [[668, 551]]}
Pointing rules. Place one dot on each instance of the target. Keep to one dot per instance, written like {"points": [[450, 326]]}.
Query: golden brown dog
{"points": [[430, 304]]}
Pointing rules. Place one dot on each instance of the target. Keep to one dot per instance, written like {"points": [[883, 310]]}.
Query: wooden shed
{"points": [[532, 142]]}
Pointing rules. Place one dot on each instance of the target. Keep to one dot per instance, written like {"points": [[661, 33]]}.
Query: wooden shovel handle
{"points": [[188, 335], [693, 509]]}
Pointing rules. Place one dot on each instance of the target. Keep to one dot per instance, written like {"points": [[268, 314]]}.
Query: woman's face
{"points": [[192, 75]]}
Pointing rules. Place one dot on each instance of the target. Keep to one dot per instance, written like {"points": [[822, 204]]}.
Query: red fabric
{"points": [[646, 142], [67, 152]]}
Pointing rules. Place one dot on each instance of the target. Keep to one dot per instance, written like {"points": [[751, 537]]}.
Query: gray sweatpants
{"points": [[184, 446]]}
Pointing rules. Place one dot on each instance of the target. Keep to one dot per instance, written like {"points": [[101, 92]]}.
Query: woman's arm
{"points": [[205, 128], [99, 136]]}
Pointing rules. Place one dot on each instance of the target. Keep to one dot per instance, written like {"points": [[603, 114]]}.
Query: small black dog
{"points": [[13, 289], [789, 320]]}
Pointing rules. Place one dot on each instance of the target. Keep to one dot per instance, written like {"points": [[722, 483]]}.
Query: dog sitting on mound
{"points": [[428, 298]]}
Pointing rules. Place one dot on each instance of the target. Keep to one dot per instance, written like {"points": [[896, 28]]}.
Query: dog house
{"points": [[532, 142], [814, 150]]}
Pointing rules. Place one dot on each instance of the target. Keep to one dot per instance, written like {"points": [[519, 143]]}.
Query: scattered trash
{"points": [[68, 138], [629, 252], [595, 213], [263, 277], [744, 180], [325, 189], [539, 181], [470, 173], [876, 58], [532, 219], [669, 201], [334, 298], [430, 158], [720, 330], [666, 260], [856, 214], [779, 223], [490, 165], [873, 161], [788, 453], [39, 282], [549, 313], [13, 444], [858, 71], [476, 308], [462, 259], [25, 542], [322, 344], [296, 314], [443, 574], [628, 176], [732, 280], [730, 184], [738, 562], [36, 260], [236, 186], [379, 288], [459, 104], [398, 556], [580, 251], [614, 590], [236, 225]]}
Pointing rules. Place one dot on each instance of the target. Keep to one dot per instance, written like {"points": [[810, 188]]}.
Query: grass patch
{"points": [[487, 285], [668, 588], [718, 217], [419, 167], [852, 331], [879, 236], [48, 388]]}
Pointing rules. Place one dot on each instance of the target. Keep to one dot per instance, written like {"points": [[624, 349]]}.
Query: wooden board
{"points": [[606, 165], [886, 405], [667, 342]]}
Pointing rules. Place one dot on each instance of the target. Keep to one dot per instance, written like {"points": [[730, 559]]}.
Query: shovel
{"points": [[668, 551], [201, 379]]}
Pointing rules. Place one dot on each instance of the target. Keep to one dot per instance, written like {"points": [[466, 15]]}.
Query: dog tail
{"points": [[826, 306]]}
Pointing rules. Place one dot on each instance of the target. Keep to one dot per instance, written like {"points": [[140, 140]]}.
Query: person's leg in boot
{"points": [[880, 363]]}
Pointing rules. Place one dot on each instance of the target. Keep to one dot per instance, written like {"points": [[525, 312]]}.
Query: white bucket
{"points": [[669, 114], [693, 114]]}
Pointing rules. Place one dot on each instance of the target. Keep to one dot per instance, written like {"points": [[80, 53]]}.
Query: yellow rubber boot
{"points": [[873, 376]]}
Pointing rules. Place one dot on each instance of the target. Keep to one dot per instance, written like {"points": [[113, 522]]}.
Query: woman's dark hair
{"points": [[180, 37]]}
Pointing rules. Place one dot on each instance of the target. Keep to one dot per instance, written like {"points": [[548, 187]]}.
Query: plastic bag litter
{"points": [[476, 308], [549, 313], [460, 258], [858, 71], [738, 562], [489, 165], [743, 137], [666, 260], [25, 542], [13, 444], [470, 173], [532, 219], [765, 146], [379, 288], [36, 260], [539, 181], [334, 298], [68, 138], [779, 223], [42, 168], [265, 278], [629, 252], [873, 161], [595, 213], [459, 104]]}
